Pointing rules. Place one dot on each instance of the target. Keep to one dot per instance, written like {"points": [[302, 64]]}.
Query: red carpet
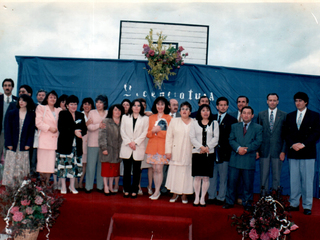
{"points": [[87, 216]]}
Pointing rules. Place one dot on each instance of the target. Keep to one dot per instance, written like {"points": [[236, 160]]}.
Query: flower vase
{"points": [[28, 235]]}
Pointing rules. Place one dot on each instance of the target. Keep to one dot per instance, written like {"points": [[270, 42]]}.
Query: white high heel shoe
{"points": [[73, 191], [174, 199]]}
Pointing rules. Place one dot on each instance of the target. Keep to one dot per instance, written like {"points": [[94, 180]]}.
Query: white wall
{"points": [[282, 37]]}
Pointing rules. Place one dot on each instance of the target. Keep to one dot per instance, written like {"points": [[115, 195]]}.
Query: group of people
{"points": [[185, 152]]}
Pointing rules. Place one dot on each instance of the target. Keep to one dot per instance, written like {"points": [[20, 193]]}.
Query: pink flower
{"points": [[39, 188], [186, 54], [25, 202], [163, 52], [265, 236], [145, 45], [182, 63], [14, 210], [17, 216], [252, 222], [44, 209], [38, 200], [181, 48], [294, 227], [253, 234], [151, 52], [148, 55], [29, 210], [287, 231], [274, 233]]}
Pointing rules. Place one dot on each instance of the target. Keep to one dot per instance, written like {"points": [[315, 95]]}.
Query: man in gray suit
{"points": [[245, 139], [272, 149]]}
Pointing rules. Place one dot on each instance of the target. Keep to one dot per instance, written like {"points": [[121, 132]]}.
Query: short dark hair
{"points": [[199, 117], [126, 100], [104, 99], [247, 107], [8, 80], [87, 100], [166, 103], [247, 99], [222, 99], [45, 100], [141, 107], [72, 99], [27, 88], [41, 90], [272, 94], [110, 112], [301, 95], [204, 96], [186, 104], [62, 98], [26, 98]]}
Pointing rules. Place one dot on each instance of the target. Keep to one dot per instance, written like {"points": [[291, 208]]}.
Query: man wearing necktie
{"points": [[272, 150], [302, 134], [174, 107], [5, 101], [245, 139], [223, 153]]}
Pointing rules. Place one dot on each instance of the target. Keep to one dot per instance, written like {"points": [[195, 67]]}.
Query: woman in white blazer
{"points": [[134, 128], [204, 135], [179, 152]]}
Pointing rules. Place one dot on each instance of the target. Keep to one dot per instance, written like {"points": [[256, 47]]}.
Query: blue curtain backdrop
{"points": [[119, 79]]}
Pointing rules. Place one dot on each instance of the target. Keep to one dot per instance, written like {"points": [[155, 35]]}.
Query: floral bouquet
{"points": [[162, 60], [268, 220], [29, 206]]}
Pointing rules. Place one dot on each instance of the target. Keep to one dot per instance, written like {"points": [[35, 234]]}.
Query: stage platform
{"points": [[87, 216]]}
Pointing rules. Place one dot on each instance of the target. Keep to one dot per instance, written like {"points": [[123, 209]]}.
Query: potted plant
{"points": [[29, 207], [266, 220], [161, 60]]}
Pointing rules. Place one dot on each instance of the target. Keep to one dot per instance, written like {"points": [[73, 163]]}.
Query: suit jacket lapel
{"points": [[277, 118]]}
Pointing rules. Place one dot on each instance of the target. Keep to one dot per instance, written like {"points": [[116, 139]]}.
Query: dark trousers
{"points": [[129, 164], [234, 176]]}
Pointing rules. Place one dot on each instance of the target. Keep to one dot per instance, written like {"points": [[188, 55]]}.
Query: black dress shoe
{"points": [[107, 194], [100, 190], [211, 201], [219, 203], [203, 205], [227, 206], [113, 193], [134, 196], [292, 209], [196, 205], [87, 191], [307, 212]]}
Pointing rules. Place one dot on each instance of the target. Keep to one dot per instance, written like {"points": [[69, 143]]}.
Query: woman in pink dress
{"points": [[47, 123]]}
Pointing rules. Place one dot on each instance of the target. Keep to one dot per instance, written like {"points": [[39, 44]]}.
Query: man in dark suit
{"points": [[223, 153], [302, 133], [174, 107], [202, 100], [245, 139], [242, 101], [272, 150], [5, 101]]}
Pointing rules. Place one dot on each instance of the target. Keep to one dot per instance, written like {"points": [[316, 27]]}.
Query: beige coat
{"points": [[138, 136], [110, 140], [176, 135]]}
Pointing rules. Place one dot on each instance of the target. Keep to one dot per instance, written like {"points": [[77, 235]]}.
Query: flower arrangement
{"points": [[162, 60], [29, 206], [268, 220]]}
